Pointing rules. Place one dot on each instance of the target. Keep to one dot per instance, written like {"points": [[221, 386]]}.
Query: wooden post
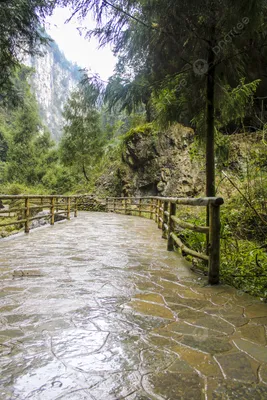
{"points": [[27, 215], [165, 220], [171, 224], [68, 207], [131, 203], [157, 211], [140, 207], [114, 206], [52, 211], [107, 205], [160, 214], [75, 207], [151, 208], [56, 204], [214, 244]]}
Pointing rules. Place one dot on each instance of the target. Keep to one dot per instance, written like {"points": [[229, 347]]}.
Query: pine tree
{"points": [[81, 141]]}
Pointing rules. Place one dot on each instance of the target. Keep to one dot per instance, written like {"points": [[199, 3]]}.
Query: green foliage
{"points": [[234, 102], [222, 150], [127, 94], [243, 255], [58, 180], [20, 32], [169, 100], [158, 39], [24, 126], [81, 142], [232, 105], [145, 129], [29, 159], [243, 238], [243, 265]]}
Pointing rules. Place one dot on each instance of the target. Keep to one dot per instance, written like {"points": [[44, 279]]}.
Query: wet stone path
{"points": [[96, 308]]}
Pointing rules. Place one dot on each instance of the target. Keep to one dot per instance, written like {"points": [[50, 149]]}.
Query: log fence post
{"points": [[165, 220], [27, 215], [151, 208], [160, 214], [52, 211], [157, 211], [140, 207], [214, 244], [68, 207], [75, 207], [171, 225]]}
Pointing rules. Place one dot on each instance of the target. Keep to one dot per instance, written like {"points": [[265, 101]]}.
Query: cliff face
{"points": [[156, 165], [161, 164], [52, 81]]}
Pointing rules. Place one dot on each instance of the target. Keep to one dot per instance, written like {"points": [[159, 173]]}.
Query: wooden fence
{"points": [[22, 209], [163, 211]]}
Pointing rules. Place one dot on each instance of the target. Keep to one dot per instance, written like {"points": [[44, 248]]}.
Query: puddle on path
{"points": [[111, 315]]}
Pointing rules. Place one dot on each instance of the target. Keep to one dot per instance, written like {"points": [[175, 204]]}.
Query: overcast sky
{"points": [[83, 52]]}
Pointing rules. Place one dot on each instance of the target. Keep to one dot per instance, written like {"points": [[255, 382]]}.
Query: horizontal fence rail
{"points": [[21, 210], [163, 211]]}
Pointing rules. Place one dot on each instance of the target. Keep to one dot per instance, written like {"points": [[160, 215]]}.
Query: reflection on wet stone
{"points": [[112, 315]]}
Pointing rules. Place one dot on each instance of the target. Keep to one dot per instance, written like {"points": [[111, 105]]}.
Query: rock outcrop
{"points": [[157, 164]]}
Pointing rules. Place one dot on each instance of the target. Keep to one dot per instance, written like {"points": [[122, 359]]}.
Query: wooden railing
{"points": [[163, 211], [22, 209]]}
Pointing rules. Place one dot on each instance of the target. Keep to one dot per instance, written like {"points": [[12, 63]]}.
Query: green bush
{"points": [[243, 246]]}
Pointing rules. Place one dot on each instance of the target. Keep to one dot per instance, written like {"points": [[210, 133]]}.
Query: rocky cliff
{"points": [[161, 163], [156, 164], [52, 81]]}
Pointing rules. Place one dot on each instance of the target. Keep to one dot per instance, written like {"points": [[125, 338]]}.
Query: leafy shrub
{"points": [[243, 260]]}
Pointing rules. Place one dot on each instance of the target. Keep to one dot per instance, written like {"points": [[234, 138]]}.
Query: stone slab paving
{"points": [[96, 308]]}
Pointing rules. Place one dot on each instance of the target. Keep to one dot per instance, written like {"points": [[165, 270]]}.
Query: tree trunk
{"points": [[84, 173], [210, 132], [210, 135]]}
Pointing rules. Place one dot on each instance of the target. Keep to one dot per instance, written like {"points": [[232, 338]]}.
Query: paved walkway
{"points": [[97, 309]]}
